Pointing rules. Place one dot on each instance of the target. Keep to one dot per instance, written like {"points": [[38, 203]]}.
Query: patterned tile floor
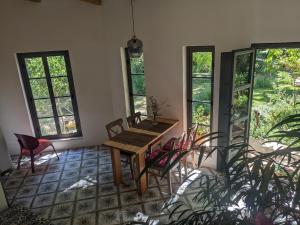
{"points": [[78, 189]]}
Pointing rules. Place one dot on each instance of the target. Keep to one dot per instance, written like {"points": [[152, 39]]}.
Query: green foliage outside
{"points": [[201, 81], [40, 89], [138, 84], [274, 93]]}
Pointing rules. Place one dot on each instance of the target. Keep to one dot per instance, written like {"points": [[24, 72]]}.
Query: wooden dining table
{"points": [[136, 140]]}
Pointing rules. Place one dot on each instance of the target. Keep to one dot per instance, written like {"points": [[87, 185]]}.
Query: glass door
{"points": [[243, 65]]}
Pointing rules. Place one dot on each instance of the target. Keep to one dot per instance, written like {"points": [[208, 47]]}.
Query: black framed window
{"points": [[136, 84], [200, 81], [48, 83]]}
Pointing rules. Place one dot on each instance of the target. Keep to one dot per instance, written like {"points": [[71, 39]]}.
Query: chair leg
{"points": [[55, 151], [131, 168], [19, 161], [179, 170], [169, 183], [193, 158], [147, 175], [32, 163], [185, 167]]}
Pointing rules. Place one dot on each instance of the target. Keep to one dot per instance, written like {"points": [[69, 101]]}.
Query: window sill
{"points": [[66, 139]]}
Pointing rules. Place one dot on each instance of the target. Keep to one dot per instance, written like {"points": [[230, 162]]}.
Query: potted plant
{"points": [[253, 189]]}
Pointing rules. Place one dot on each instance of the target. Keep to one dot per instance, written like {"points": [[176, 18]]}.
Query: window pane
{"points": [[64, 106], [242, 70], [201, 89], [202, 64], [35, 67], [138, 85], [140, 104], [60, 86], [201, 113], [43, 108], [39, 88], [57, 66], [240, 104], [67, 124], [137, 65], [47, 126]]}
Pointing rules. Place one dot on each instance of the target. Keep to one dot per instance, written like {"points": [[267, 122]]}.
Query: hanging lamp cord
{"points": [[132, 17]]}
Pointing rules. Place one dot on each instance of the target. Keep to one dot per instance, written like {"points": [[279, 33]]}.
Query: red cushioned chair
{"points": [[31, 146], [157, 168], [187, 145]]}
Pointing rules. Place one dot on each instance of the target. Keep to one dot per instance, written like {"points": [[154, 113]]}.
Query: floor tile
{"points": [[65, 196], [10, 193], [47, 188], [129, 187], [72, 165], [62, 221], [78, 189], [62, 210], [26, 202], [105, 178], [109, 217], [90, 155], [105, 160], [69, 174], [108, 202], [74, 157], [51, 177], [88, 171], [43, 200], [129, 198], [151, 194], [131, 213], [85, 206], [13, 183], [107, 189], [37, 170], [19, 173], [89, 162], [88, 192], [88, 219], [55, 168], [155, 208], [26, 191], [69, 184], [104, 168], [43, 212], [33, 179]]}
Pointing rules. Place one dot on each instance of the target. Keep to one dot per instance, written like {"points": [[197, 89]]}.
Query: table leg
{"points": [[116, 164], [140, 161]]}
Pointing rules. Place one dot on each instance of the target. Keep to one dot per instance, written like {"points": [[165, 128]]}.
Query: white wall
{"points": [[94, 35], [55, 25], [5, 162]]}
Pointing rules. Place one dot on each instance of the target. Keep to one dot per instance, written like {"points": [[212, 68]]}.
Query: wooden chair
{"points": [[113, 129], [134, 119], [31, 146], [157, 168], [187, 145]]}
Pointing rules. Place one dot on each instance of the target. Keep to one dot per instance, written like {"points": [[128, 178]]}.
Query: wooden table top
{"points": [[138, 138]]}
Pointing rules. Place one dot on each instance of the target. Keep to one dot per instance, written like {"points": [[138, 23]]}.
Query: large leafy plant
{"points": [[253, 188]]}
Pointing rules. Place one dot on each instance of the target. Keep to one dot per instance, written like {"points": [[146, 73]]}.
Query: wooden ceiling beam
{"points": [[35, 0], [96, 2]]}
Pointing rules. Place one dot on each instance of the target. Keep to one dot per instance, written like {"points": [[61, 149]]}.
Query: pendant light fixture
{"points": [[134, 45]]}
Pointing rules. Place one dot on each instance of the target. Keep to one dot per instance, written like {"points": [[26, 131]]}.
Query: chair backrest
{"points": [[114, 128], [27, 142], [134, 119]]}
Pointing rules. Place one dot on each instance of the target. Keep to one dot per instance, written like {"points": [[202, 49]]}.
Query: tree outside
{"points": [[275, 90]]}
